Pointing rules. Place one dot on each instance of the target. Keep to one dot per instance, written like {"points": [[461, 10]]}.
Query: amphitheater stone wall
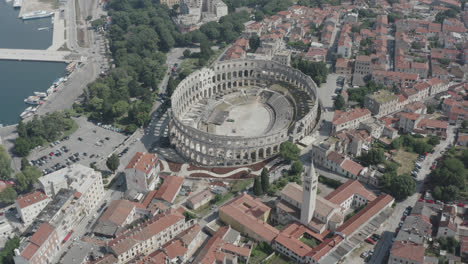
{"points": [[222, 78]]}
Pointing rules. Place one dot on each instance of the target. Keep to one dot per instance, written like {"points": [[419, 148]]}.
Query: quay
{"points": [[39, 55]]}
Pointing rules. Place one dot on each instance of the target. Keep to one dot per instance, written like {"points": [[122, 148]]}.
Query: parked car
{"points": [[364, 254], [370, 241]]}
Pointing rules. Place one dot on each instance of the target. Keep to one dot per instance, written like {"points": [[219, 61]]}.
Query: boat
{"points": [[17, 3], [71, 66], [37, 14], [40, 94], [43, 28], [34, 100]]}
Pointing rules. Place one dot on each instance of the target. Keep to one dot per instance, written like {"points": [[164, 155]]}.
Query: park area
{"points": [[406, 161]]}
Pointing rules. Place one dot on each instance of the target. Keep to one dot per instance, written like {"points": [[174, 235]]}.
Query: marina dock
{"points": [[38, 55]]}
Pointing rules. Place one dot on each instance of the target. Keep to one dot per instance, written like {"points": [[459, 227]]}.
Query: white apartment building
{"points": [[86, 181], [148, 236], [30, 205]]}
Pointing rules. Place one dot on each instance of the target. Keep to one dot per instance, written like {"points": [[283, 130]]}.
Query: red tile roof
{"points": [[246, 210], [431, 123], [41, 235], [117, 212], [348, 189], [30, 199], [408, 251], [336, 157], [169, 188], [352, 167], [143, 162], [341, 117], [127, 239]]}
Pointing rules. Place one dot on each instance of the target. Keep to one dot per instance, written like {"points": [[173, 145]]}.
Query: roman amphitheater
{"points": [[239, 112]]}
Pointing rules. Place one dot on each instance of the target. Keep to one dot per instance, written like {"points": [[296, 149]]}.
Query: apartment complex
{"points": [[142, 172], [30, 205]]}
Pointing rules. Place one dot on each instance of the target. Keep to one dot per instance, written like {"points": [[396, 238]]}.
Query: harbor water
{"points": [[20, 79]]}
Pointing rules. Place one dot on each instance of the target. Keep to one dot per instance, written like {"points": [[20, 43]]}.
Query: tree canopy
{"points": [[5, 164], [265, 180], [289, 151], [339, 103], [398, 186], [40, 130], [318, 71], [448, 179], [372, 157], [113, 163]]}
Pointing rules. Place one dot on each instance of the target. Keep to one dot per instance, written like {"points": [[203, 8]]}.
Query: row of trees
{"points": [[318, 71], [5, 165], [448, 179], [140, 35], [262, 183], [358, 94], [415, 143], [264, 7], [41, 130], [25, 181]]}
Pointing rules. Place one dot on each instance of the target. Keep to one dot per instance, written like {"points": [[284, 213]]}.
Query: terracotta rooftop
{"points": [[246, 210], [293, 191], [336, 157], [431, 123], [127, 239], [410, 116], [408, 250], [30, 199], [143, 162], [117, 212], [341, 117], [352, 167], [36, 240], [347, 190], [169, 189]]}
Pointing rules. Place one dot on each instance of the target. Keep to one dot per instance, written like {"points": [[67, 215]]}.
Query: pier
{"points": [[38, 55]]}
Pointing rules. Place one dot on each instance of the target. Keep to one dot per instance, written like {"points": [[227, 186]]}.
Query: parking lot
{"points": [[90, 143]]}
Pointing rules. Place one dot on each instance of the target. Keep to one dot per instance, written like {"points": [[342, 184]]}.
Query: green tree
{"points": [[254, 43], [398, 186], [5, 164], [7, 253], [434, 140], [464, 124], [339, 103], [265, 180], [257, 187], [430, 109], [27, 178], [8, 195], [22, 147], [297, 167], [373, 157], [113, 163], [289, 151], [187, 53], [259, 15]]}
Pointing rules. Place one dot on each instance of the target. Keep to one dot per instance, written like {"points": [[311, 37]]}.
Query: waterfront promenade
{"points": [[38, 55]]}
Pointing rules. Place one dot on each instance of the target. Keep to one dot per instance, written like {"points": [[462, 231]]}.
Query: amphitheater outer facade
{"points": [[209, 149]]}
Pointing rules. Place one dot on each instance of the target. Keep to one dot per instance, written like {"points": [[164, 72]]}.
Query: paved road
{"points": [[393, 221]]}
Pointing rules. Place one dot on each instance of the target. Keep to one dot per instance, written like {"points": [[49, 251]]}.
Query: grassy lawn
{"points": [[241, 185], [190, 65], [279, 259], [406, 161], [311, 242]]}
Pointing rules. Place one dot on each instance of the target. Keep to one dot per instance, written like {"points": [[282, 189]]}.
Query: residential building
{"points": [[30, 205], [148, 236], [315, 54], [381, 103], [349, 119], [399, 79], [200, 199], [169, 189], [117, 215], [39, 248], [220, 248], [362, 70], [406, 252], [408, 121], [169, 3], [142, 172], [343, 66], [282, 57], [178, 250]]}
